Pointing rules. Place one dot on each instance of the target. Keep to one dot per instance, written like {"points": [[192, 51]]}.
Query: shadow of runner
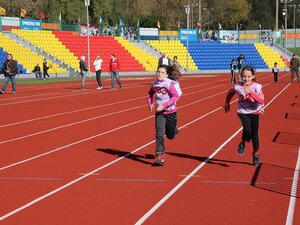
{"points": [[205, 159], [287, 138], [134, 157], [274, 178]]}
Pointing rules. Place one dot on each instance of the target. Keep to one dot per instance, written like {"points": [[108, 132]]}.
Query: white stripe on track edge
{"points": [[186, 179], [293, 197]]}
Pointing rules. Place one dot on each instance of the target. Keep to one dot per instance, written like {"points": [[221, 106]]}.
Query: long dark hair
{"points": [[172, 71]]}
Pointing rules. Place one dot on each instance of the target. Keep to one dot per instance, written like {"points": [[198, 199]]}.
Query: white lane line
{"points": [[85, 109], [87, 91], [29, 96], [93, 172], [293, 197], [98, 117], [97, 135], [179, 185], [40, 99]]}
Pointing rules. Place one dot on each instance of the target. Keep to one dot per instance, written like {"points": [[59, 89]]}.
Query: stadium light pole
{"points": [[294, 6], [87, 3], [187, 11], [276, 19]]}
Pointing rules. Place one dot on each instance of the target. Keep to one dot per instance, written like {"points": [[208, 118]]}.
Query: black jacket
{"points": [[82, 66], [10, 68]]}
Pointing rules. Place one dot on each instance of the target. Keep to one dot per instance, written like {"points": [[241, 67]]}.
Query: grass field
{"points": [[295, 50]]}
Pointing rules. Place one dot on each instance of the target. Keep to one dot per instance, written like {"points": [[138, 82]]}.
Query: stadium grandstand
{"points": [[64, 48]]}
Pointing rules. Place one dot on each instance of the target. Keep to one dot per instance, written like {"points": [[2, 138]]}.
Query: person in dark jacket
{"points": [[294, 67], [83, 71], [37, 71], [45, 69], [9, 69]]}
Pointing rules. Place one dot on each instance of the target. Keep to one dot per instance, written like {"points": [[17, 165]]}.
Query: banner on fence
{"points": [[30, 24], [191, 34]]}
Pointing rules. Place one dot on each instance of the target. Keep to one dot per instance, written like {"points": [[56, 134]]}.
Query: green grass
{"points": [[47, 81], [295, 50]]}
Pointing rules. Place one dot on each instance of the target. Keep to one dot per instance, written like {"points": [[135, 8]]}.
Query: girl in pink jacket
{"points": [[250, 105], [165, 91]]}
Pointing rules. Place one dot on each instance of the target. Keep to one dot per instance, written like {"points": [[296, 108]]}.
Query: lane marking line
{"points": [[128, 180], [29, 178], [293, 197], [180, 184], [85, 109]]}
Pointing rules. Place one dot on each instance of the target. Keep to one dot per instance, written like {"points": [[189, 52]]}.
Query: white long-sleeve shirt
{"points": [[98, 64]]}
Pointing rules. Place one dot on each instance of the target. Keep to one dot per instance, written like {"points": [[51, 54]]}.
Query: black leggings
{"points": [[250, 129]]}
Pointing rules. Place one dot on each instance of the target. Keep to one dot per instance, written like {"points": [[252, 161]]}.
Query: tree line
{"points": [[246, 14]]}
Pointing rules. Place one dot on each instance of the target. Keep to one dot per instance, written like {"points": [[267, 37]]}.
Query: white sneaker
{"points": [[99, 88]]}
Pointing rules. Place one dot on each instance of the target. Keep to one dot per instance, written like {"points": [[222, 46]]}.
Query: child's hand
{"points": [[160, 108], [227, 107], [247, 88], [151, 107]]}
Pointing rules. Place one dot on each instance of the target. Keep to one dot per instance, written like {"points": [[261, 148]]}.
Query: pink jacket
{"points": [[166, 92], [248, 103]]}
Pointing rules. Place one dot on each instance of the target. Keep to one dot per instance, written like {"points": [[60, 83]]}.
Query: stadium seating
{"points": [[213, 55], [26, 59], [174, 48], [269, 56], [147, 60], [47, 41], [102, 46]]}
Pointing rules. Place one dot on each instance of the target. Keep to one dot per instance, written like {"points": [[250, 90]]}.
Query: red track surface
{"points": [[65, 157]]}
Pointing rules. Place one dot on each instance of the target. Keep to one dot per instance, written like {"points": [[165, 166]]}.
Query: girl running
{"points": [[166, 91], [250, 105]]}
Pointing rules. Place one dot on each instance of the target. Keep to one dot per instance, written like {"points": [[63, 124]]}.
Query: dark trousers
{"points": [[98, 78], [293, 71], [46, 73], [164, 124], [275, 76], [232, 77], [250, 129]]}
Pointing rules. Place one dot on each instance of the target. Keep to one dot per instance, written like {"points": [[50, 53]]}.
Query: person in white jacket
{"points": [[98, 65]]}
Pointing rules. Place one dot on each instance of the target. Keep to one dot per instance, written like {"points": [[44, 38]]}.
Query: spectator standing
{"points": [[45, 69], [240, 65], [294, 67], [83, 70], [175, 63], [98, 65], [164, 60], [275, 71], [114, 68], [10, 69], [233, 66]]}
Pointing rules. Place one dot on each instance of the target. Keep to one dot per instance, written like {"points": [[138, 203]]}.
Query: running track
{"points": [[75, 157]]}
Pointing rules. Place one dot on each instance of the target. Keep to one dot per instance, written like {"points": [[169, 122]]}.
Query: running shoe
{"points": [[241, 149], [159, 159], [256, 160]]}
